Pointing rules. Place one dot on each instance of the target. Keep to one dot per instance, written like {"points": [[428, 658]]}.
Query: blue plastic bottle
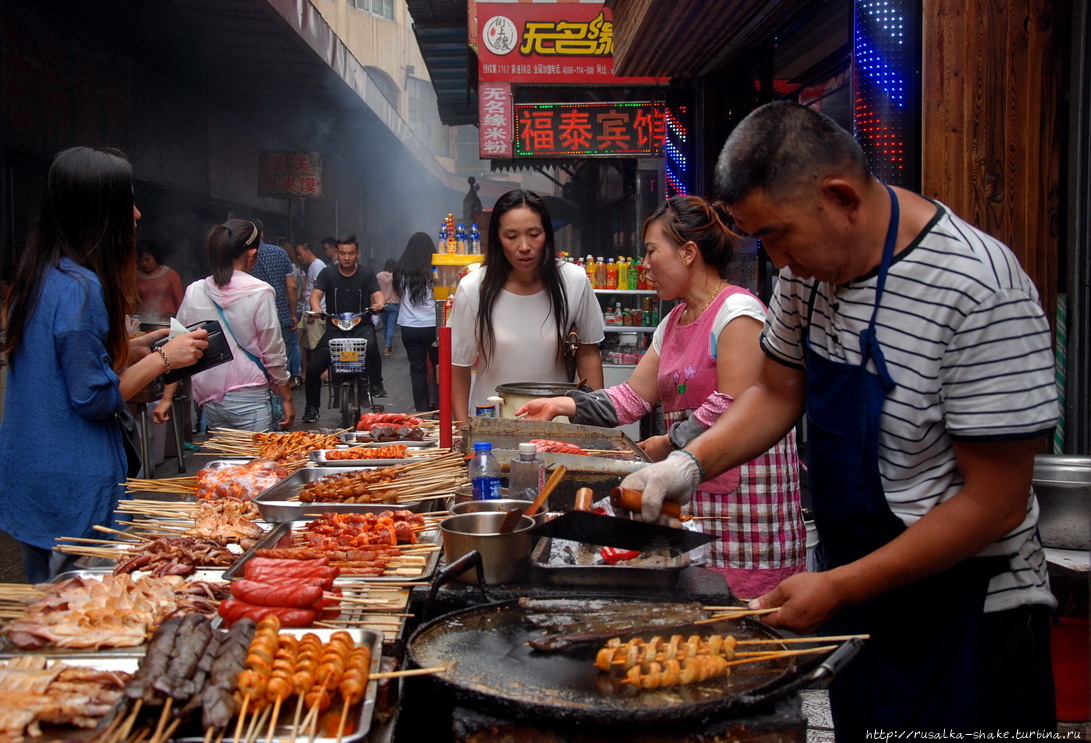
{"points": [[485, 472]]}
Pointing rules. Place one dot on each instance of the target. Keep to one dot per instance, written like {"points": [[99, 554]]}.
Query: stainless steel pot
{"points": [[505, 558], [1063, 487], [500, 505]]}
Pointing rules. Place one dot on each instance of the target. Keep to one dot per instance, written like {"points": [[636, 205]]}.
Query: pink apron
{"points": [[758, 520]]}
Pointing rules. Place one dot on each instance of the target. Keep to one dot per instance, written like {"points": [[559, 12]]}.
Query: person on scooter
{"points": [[347, 287]]}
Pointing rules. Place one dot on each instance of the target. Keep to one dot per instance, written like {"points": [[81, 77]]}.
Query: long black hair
{"points": [[691, 218], [497, 267], [225, 243], [413, 271], [86, 214]]}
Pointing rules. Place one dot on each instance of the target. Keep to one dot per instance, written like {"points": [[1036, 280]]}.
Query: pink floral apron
{"points": [[758, 520]]}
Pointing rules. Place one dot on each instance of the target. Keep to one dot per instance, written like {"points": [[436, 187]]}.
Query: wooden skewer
{"points": [[163, 716], [412, 672], [789, 640], [737, 615], [242, 714], [108, 530]]}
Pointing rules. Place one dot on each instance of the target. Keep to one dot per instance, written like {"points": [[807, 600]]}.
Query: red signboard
{"points": [[548, 43], [589, 130], [496, 124], [290, 174]]}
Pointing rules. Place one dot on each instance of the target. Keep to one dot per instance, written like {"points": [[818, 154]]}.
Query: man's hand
{"points": [[806, 602], [676, 477]]}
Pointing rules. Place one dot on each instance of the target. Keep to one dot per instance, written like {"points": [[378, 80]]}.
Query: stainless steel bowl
{"points": [[1063, 486], [502, 505], [504, 557]]}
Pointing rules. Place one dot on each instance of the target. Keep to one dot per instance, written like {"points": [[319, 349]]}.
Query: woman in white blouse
{"points": [[511, 317]]}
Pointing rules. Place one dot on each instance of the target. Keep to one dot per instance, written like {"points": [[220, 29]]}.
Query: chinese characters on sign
{"points": [[290, 174], [589, 130], [496, 128], [553, 43]]}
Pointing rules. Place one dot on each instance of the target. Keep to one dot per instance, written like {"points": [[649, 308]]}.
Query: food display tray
{"points": [[276, 504], [9, 650], [280, 536], [374, 641], [319, 457], [605, 576], [92, 563], [359, 438]]}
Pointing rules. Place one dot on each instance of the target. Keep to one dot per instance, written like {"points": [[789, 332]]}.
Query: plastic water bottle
{"points": [[475, 240], [485, 472], [527, 476]]}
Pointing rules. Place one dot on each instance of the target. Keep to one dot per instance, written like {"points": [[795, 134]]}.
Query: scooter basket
{"points": [[346, 347]]}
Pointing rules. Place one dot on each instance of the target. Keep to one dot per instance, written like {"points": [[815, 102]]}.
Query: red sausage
{"points": [[330, 607], [299, 595], [232, 610], [287, 562]]}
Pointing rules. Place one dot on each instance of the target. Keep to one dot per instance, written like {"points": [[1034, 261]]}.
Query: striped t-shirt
{"points": [[968, 346]]}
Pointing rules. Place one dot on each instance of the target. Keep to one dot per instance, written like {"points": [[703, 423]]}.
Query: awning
{"points": [[441, 28], [690, 38]]}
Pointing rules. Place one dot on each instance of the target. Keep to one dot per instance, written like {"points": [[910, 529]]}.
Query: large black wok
{"points": [[491, 668]]}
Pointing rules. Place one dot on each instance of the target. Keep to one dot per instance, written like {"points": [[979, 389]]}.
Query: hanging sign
{"points": [[496, 128], [628, 129], [548, 43], [290, 174]]}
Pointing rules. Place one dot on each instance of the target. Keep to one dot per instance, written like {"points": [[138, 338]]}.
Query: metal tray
{"points": [[604, 576], [9, 650], [354, 438], [92, 563], [319, 456], [374, 640], [67, 734], [283, 531], [276, 507]]}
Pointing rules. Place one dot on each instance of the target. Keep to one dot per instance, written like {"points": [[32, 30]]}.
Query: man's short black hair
{"points": [[349, 239]]}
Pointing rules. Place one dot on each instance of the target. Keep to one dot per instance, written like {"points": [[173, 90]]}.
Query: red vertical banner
{"points": [[497, 120], [446, 417]]}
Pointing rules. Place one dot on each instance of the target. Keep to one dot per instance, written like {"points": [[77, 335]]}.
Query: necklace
{"points": [[687, 373], [710, 299]]}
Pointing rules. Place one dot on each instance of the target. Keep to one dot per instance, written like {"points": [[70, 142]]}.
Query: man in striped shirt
{"points": [[917, 348]]}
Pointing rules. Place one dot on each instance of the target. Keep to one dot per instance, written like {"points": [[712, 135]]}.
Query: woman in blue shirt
{"points": [[68, 350]]}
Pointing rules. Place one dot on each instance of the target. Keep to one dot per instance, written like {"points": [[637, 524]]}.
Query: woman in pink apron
{"points": [[704, 353]]}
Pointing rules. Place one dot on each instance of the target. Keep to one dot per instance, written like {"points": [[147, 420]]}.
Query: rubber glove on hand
{"points": [[676, 477]]}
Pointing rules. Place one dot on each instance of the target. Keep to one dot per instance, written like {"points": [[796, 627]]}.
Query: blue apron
{"points": [[919, 669]]}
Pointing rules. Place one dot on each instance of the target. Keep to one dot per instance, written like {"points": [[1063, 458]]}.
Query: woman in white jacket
{"points": [[236, 394]]}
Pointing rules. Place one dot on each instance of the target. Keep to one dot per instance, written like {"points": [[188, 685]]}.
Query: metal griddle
{"points": [[491, 668], [613, 531]]}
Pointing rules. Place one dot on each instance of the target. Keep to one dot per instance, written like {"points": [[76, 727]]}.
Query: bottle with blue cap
{"points": [[485, 472]]}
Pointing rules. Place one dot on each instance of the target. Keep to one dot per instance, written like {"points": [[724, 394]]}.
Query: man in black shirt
{"points": [[347, 287]]}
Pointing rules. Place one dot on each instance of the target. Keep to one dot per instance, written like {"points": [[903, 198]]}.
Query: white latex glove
{"points": [[676, 477]]}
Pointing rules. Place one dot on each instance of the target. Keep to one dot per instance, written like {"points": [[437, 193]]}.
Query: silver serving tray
{"points": [[276, 507], [604, 576], [372, 638], [354, 438], [319, 456], [9, 650], [108, 563], [283, 531]]}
